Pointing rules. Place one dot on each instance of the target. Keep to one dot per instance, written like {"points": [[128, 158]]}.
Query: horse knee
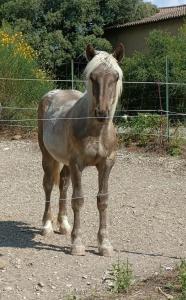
{"points": [[77, 203], [102, 203]]}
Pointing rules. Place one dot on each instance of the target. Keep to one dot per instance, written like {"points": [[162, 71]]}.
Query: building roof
{"points": [[164, 13]]}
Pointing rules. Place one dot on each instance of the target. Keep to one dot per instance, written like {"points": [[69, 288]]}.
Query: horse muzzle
{"points": [[101, 115]]}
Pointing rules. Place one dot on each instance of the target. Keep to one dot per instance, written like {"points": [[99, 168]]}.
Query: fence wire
{"points": [[84, 81], [134, 105]]}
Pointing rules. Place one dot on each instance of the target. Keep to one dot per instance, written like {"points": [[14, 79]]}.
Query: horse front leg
{"points": [[77, 247], [104, 246], [64, 226]]}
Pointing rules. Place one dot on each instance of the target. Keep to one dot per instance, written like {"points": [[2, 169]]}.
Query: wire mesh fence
{"points": [[156, 110]]}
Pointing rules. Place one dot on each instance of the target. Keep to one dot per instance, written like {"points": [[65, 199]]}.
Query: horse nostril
{"points": [[101, 114]]}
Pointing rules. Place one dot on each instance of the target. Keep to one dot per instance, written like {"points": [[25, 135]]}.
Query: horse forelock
{"points": [[109, 64]]}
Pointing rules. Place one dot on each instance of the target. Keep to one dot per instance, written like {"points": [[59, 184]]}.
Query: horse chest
{"points": [[94, 150]]}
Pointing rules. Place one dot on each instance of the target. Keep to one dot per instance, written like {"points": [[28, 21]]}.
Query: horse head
{"points": [[104, 80]]}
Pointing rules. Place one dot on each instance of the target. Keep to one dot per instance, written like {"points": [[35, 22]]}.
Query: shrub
{"points": [[174, 147], [144, 129], [147, 130], [19, 60], [151, 67]]}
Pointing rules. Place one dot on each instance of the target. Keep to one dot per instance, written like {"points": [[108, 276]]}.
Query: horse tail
{"points": [[50, 165]]}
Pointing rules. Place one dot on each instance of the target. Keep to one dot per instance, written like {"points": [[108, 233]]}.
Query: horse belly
{"points": [[56, 145]]}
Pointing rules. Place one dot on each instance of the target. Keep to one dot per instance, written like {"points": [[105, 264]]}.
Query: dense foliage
{"points": [[59, 30], [125, 11], [19, 60], [151, 67]]}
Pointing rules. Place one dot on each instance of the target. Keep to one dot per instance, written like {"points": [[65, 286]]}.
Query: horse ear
{"points": [[90, 52], [119, 52]]}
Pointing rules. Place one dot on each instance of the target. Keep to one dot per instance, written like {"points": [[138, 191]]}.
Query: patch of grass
{"points": [[177, 283], [182, 279], [122, 276], [174, 148], [169, 286]]}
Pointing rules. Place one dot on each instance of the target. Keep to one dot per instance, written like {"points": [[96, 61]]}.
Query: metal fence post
{"points": [[167, 97], [72, 73]]}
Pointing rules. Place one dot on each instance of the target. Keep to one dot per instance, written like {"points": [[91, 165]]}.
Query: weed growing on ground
{"points": [[178, 284], [122, 276], [174, 147], [182, 279]]}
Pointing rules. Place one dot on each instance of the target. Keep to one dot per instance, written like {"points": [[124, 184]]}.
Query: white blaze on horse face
{"points": [[109, 64]]}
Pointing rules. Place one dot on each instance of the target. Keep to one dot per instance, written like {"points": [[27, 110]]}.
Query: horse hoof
{"points": [[78, 250], [64, 231], [47, 228], [106, 250], [45, 231], [64, 226]]}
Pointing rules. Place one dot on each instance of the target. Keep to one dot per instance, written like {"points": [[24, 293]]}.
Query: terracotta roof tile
{"points": [[163, 14]]}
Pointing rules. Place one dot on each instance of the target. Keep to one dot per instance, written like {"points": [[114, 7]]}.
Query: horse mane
{"points": [[110, 64]]}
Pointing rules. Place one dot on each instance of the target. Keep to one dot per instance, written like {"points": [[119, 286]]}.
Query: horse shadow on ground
{"points": [[14, 234], [20, 235]]}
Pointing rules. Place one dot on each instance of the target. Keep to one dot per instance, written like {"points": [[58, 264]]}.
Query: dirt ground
{"points": [[147, 225]]}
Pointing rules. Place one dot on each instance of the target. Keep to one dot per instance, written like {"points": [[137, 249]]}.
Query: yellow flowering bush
{"points": [[40, 74], [20, 46], [19, 60]]}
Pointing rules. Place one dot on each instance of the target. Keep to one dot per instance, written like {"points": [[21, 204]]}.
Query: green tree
{"points": [[119, 11], [152, 67], [59, 30], [144, 9]]}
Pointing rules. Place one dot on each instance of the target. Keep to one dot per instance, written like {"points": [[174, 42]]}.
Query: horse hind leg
{"points": [[51, 174], [64, 226]]}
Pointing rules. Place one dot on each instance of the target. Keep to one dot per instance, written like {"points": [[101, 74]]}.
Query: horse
{"points": [[76, 130]]}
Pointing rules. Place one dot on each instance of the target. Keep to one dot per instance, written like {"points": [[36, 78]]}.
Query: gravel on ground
{"points": [[147, 218]]}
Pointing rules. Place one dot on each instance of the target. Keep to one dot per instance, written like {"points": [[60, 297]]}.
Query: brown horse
{"points": [[76, 130]]}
